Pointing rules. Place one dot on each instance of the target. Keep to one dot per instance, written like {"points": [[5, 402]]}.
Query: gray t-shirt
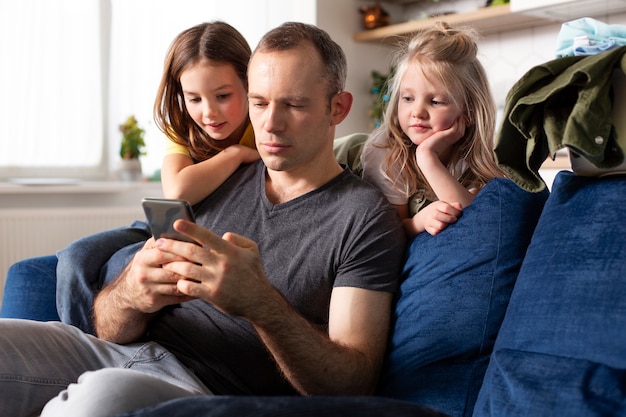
{"points": [[342, 234]]}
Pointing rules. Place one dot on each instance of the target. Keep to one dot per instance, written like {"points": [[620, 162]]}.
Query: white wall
{"points": [[341, 19], [506, 56]]}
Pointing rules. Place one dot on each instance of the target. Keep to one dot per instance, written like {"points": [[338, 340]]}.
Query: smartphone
{"points": [[162, 213]]}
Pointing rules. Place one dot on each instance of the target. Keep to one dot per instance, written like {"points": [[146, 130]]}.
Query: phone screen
{"points": [[162, 213]]}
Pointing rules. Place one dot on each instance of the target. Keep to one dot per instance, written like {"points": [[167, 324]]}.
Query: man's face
{"points": [[289, 109]]}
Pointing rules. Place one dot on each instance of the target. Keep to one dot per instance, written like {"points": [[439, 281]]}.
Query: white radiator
{"points": [[25, 233]]}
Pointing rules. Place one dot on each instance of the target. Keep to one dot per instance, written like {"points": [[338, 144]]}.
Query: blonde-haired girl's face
{"points": [[215, 98], [424, 108]]}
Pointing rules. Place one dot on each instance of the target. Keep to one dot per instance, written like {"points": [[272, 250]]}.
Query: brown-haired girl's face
{"points": [[424, 107], [215, 98]]}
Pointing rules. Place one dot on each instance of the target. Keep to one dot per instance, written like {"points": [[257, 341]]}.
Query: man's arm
{"points": [[348, 360], [123, 309]]}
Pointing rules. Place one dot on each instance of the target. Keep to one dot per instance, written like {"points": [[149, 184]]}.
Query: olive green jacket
{"points": [[564, 102]]}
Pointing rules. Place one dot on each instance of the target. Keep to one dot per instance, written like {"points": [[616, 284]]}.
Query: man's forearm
{"points": [[115, 319], [314, 364]]}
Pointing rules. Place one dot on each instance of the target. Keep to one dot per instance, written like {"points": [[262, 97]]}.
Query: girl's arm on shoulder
{"points": [[182, 179]]}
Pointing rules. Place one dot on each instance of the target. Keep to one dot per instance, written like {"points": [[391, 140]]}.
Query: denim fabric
{"points": [[83, 270], [222, 406], [39, 360], [562, 346], [455, 290], [30, 289], [536, 384]]}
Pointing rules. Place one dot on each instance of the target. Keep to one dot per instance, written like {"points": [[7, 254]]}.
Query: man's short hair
{"points": [[290, 35]]}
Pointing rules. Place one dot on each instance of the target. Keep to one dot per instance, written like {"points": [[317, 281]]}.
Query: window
{"points": [[51, 88], [72, 70]]}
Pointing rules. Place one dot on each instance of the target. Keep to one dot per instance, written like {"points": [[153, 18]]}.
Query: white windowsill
{"points": [[67, 186], [76, 194]]}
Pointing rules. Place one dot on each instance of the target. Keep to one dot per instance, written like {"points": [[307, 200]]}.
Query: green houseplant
{"points": [[132, 139], [380, 91], [131, 148]]}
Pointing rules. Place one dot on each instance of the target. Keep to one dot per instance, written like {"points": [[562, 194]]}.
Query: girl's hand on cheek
{"points": [[440, 142]]}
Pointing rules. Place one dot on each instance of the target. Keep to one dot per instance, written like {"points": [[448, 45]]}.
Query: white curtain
{"points": [[51, 89]]}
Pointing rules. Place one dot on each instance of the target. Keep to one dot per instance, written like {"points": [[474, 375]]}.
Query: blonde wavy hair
{"points": [[447, 57]]}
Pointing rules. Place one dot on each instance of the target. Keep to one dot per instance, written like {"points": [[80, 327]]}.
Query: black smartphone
{"points": [[162, 213]]}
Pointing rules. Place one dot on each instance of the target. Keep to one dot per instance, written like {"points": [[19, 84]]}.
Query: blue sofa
{"points": [[519, 309]]}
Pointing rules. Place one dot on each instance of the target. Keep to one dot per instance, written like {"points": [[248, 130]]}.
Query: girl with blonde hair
{"points": [[434, 150]]}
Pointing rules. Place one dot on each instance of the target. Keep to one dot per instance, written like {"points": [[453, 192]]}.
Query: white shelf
{"points": [[519, 14], [486, 20]]}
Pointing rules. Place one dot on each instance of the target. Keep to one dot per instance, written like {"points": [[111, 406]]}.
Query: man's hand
{"points": [[226, 271], [148, 287], [124, 309]]}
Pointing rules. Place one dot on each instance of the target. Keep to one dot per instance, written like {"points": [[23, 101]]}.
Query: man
{"points": [[301, 304]]}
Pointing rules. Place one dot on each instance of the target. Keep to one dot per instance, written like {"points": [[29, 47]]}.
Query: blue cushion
{"points": [[452, 300], [562, 346], [29, 292]]}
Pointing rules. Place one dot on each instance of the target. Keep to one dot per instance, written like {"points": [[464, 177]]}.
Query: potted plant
{"points": [[380, 91], [131, 148]]}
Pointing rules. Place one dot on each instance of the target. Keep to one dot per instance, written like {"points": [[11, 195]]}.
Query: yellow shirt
{"points": [[246, 140]]}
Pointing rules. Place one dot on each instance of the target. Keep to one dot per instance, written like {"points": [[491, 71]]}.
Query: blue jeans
{"points": [[88, 264], [40, 360]]}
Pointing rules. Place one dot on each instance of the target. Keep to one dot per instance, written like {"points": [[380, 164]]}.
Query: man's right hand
{"points": [[124, 308]]}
